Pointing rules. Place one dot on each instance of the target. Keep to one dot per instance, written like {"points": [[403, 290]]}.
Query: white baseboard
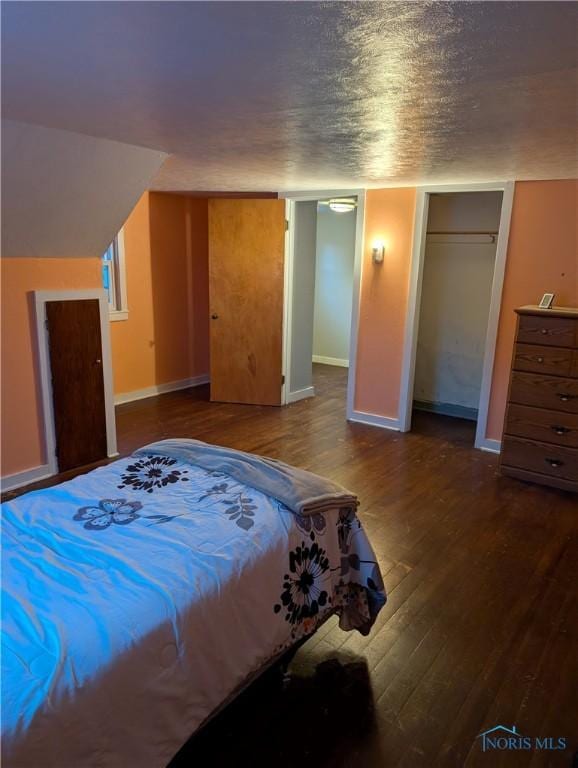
{"points": [[331, 361], [300, 394], [385, 422], [489, 445], [160, 389], [9, 482]]}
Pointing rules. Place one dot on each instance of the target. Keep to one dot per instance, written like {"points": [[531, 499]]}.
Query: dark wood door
{"points": [[75, 348], [246, 256]]}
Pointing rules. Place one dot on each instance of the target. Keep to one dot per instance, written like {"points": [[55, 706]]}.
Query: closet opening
{"points": [[456, 290]]}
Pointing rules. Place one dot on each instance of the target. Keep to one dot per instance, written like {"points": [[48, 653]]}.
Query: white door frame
{"points": [[40, 299], [309, 196], [414, 302]]}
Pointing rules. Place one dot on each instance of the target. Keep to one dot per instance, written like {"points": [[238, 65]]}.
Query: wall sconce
{"points": [[377, 251]]}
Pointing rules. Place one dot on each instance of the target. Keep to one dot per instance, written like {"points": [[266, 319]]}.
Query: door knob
{"points": [[214, 317]]}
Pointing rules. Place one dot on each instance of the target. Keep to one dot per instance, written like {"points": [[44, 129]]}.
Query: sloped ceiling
{"points": [[65, 194], [277, 96]]}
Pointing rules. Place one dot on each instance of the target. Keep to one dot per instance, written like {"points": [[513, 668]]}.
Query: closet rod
{"points": [[455, 232]]}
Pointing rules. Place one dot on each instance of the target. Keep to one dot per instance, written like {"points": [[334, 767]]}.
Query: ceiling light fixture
{"points": [[342, 204]]}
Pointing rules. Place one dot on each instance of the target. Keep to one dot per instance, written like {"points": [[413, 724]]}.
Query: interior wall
{"points": [[303, 295], [542, 257], [455, 301], [197, 224], [456, 291], [22, 424], [389, 216], [335, 256], [166, 336], [464, 212], [67, 194]]}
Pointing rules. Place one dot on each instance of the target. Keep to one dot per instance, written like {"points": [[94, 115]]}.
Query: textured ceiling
{"points": [[278, 96]]}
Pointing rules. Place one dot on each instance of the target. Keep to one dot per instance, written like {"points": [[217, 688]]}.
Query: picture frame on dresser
{"points": [[540, 442], [547, 300]]}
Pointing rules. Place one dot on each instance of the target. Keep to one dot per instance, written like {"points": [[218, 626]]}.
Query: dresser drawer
{"points": [[540, 477], [538, 359], [574, 371], [544, 426], [551, 460], [551, 392], [551, 331]]}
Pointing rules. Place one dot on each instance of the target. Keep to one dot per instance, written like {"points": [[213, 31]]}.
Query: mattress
{"points": [[138, 597]]}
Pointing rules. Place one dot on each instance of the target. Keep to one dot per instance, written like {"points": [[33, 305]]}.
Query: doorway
{"points": [[75, 350], [459, 260], [246, 282], [76, 377], [324, 233], [460, 245]]}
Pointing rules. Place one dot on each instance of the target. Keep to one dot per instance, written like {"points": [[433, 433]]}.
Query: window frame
{"points": [[119, 309]]}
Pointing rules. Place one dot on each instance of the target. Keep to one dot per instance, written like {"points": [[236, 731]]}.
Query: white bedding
{"points": [[138, 597]]}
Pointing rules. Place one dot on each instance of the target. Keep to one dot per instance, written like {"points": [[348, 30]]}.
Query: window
{"points": [[114, 279]]}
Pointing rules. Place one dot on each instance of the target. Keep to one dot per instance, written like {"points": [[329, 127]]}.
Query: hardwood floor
{"points": [[481, 624]]}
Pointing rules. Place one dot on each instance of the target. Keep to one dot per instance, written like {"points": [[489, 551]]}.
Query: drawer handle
{"points": [[560, 430], [565, 397], [544, 331], [540, 359], [554, 462]]}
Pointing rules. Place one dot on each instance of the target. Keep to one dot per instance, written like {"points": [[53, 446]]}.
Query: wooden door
{"points": [[75, 351], [246, 285]]}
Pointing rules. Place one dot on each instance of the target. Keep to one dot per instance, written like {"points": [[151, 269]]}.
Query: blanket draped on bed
{"points": [[138, 598], [304, 493]]}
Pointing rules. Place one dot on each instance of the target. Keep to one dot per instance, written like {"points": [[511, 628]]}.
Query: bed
{"points": [[139, 597]]}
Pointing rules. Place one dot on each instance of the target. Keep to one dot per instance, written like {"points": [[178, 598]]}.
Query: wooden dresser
{"points": [[540, 440]]}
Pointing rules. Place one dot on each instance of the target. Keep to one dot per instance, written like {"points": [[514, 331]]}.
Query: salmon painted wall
{"points": [[164, 339], [389, 216], [166, 336], [22, 424], [542, 256], [166, 245], [197, 223]]}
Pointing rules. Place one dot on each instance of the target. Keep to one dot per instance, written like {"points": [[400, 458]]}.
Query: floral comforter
{"points": [[138, 597]]}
